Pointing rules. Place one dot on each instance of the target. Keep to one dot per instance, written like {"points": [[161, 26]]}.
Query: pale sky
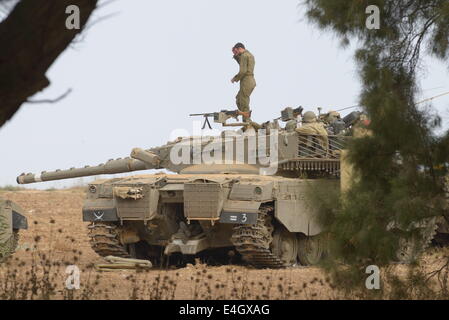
{"points": [[137, 75]]}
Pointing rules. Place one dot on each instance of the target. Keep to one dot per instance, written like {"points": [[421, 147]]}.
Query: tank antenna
{"points": [[351, 107], [435, 97]]}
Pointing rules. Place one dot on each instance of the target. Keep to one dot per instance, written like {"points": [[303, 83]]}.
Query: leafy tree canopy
{"points": [[399, 166]]}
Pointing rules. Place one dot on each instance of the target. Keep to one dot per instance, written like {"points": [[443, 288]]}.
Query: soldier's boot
{"points": [[246, 116]]}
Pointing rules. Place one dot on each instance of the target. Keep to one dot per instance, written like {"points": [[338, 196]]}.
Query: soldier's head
{"points": [[332, 116], [239, 48], [309, 117]]}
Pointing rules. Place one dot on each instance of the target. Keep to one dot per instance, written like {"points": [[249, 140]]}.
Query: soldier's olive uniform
{"points": [[333, 123], [246, 78], [331, 117], [317, 129], [291, 126], [360, 128]]}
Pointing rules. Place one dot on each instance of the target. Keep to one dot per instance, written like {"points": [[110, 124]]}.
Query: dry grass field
{"points": [[56, 227]]}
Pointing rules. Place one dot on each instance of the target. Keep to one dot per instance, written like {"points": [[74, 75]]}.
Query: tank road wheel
{"points": [[285, 246], [412, 244], [105, 240], [9, 247], [310, 250]]}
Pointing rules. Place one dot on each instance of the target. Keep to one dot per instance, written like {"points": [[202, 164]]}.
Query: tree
{"points": [[33, 35], [400, 164]]}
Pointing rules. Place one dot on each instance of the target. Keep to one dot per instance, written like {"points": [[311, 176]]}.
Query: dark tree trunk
{"points": [[31, 39]]}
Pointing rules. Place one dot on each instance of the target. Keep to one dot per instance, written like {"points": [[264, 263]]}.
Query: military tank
{"points": [[245, 189], [12, 221]]}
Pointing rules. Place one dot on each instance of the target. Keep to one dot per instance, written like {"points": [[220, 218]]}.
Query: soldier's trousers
{"points": [[247, 85]]}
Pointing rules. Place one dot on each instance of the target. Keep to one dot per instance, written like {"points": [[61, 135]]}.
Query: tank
{"points": [[245, 191], [12, 221]]}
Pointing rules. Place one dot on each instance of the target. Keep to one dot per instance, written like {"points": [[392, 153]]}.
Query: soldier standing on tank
{"points": [[312, 127], [245, 77]]}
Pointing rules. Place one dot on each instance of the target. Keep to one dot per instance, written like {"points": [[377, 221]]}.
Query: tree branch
{"points": [[63, 96], [33, 36]]}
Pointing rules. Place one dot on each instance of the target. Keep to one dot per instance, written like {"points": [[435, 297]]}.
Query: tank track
{"points": [[104, 240], [253, 241]]}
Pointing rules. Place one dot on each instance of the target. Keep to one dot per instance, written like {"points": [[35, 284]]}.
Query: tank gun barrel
{"points": [[110, 167]]}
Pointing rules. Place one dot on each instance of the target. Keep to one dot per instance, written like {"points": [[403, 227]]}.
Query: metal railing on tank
{"points": [[317, 153], [320, 147]]}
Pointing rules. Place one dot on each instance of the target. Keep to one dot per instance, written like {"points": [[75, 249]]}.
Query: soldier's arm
{"points": [[305, 130], [243, 68]]}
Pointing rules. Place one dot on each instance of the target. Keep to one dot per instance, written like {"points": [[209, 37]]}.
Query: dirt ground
{"points": [[55, 224]]}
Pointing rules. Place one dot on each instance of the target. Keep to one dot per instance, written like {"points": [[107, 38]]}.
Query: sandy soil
{"points": [[55, 223]]}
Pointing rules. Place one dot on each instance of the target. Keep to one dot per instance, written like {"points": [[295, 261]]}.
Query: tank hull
{"points": [[192, 213]]}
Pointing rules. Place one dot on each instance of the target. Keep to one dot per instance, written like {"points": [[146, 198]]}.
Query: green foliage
{"points": [[325, 198], [400, 164], [404, 24], [11, 188]]}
